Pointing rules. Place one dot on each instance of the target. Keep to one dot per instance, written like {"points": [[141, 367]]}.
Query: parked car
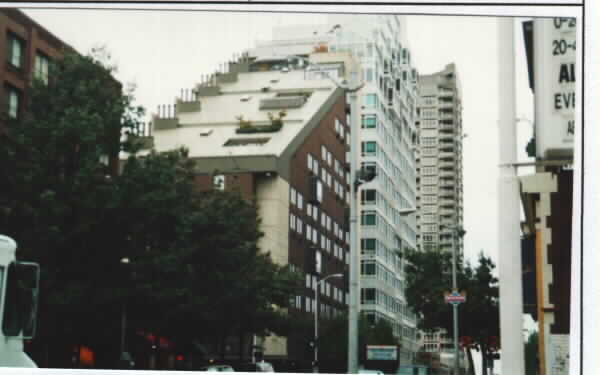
{"points": [[370, 371], [217, 368]]}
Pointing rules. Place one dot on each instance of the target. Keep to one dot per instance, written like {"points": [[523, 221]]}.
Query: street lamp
{"points": [[125, 357], [458, 232], [316, 338]]}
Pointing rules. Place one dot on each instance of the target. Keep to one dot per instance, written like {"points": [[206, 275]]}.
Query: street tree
{"points": [[428, 277], [55, 159]]}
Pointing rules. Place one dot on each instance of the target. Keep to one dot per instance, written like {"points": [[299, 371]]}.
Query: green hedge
{"points": [[260, 129]]}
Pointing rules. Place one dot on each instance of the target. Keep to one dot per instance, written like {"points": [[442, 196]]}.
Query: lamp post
{"points": [[316, 337], [124, 356], [456, 232]]}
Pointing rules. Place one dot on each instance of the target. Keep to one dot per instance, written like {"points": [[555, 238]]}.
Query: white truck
{"points": [[19, 285]]}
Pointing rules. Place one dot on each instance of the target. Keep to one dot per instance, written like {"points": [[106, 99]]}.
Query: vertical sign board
{"points": [[554, 72]]}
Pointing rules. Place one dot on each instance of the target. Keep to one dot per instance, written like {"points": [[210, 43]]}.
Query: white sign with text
{"points": [[555, 97]]}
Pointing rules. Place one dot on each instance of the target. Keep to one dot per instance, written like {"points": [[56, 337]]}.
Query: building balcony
{"points": [[447, 212], [446, 155], [448, 205], [447, 129], [445, 104], [446, 164]]}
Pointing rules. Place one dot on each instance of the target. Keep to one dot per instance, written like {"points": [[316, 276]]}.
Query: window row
{"points": [[375, 269], [17, 55], [371, 296]]}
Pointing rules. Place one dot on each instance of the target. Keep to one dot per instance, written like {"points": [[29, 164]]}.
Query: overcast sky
{"points": [[163, 52]]}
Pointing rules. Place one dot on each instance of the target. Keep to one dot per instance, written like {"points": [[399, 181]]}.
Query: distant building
{"points": [[278, 135], [440, 174]]}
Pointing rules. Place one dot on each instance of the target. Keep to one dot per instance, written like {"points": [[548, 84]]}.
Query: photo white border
{"points": [[588, 223]]}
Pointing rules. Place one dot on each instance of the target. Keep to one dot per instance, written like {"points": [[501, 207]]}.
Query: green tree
{"points": [[333, 339], [193, 256], [198, 271], [53, 190], [429, 277]]}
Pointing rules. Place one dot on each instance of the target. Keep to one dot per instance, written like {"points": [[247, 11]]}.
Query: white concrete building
{"points": [[387, 137]]}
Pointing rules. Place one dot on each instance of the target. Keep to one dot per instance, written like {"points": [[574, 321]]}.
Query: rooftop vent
{"points": [[283, 102], [245, 98], [206, 132]]}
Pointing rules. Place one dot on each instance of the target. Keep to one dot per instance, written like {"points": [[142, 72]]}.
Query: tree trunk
{"points": [[471, 364]]}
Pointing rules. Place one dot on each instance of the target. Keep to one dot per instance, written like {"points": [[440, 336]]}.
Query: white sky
{"points": [[166, 51], [163, 52]]}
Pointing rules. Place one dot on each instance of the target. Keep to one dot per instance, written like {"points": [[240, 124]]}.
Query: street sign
{"points": [[455, 298], [382, 352]]}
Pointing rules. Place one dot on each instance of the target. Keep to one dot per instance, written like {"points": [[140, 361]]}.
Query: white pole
{"points": [[353, 305], [509, 241], [315, 343]]}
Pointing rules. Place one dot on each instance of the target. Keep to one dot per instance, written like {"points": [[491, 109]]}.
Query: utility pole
{"points": [[509, 241], [353, 304]]}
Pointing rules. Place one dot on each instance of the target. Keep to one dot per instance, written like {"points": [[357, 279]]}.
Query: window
{"points": [[368, 196], [368, 218], [368, 268], [371, 100], [369, 75], [41, 67], [369, 148], [14, 100], [300, 202], [369, 121], [367, 245], [323, 153], [293, 196], [309, 159], [16, 48]]}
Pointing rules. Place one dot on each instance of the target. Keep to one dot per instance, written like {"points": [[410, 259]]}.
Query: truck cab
{"points": [[19, 285]]}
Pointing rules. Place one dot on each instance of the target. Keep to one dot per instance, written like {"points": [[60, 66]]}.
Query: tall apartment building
{"points": [[387, 136], [440, 173], [292, 165]]}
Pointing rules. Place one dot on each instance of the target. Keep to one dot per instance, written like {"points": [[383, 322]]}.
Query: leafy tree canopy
{"points": [[193, 257], [429, 276]]}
